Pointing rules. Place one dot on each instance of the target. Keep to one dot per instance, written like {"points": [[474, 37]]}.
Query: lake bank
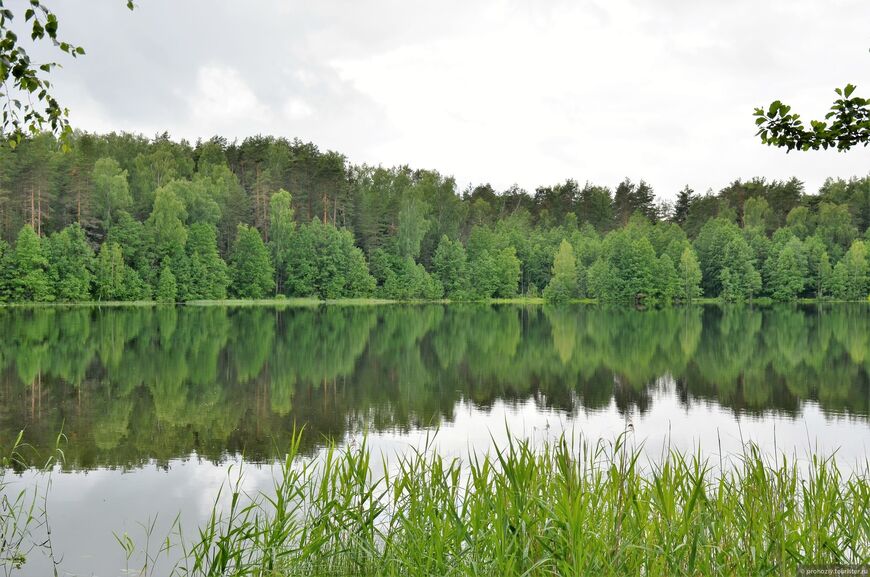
{"points": [[560, 505], [311, 301]]}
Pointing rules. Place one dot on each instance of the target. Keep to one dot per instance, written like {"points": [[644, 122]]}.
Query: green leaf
{"points": [[774, 107]]}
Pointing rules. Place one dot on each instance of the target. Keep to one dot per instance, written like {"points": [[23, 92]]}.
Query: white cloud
{"points": [[498, 90], [296, 109], [223, 98]]}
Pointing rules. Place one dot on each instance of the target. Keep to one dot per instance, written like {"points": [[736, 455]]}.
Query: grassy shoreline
{"points": [[563, 508], [300, 302]]}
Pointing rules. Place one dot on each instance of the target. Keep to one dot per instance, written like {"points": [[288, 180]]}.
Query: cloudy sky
{"points": [[527, 92]]}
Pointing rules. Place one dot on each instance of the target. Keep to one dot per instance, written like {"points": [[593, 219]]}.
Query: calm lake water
{"points": [[156, 404]]}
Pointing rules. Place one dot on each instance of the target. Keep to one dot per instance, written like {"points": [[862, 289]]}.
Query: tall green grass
{"points": [[24, 521], [557, 509]]}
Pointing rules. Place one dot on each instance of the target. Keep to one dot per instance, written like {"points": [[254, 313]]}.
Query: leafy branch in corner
{"points": [[846, 125], [28, 105]]}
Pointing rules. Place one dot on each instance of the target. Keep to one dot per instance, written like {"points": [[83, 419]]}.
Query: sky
{"points": [[502, 92]]}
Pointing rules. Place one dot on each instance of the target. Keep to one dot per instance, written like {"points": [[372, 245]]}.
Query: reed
{"points": [[24, 521], [562, 508]]}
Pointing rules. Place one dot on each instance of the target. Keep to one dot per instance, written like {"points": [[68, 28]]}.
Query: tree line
{"points": [[120, 217]]}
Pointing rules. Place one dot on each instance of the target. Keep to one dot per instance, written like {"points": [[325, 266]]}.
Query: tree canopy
{"points": [[267, 217]]}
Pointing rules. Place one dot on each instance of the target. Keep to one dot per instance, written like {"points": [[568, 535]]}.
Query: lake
{"points": [[157, 403]]}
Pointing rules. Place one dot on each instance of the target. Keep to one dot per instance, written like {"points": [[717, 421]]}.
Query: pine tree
{"points": [[681, 208]]}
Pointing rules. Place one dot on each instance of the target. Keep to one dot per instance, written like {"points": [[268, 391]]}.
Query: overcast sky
{"points": [[526, 92]]}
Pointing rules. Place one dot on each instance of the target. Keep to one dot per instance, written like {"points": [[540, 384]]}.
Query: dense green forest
{"points": [[237, 379], [124, 217]]}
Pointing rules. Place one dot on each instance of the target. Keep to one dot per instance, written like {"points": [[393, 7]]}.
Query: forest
{"points": [[122, 217]]}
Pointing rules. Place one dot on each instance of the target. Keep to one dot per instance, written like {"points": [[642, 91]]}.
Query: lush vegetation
{"points": [[136, 384], [563, 508], [849, 126], [121, 217]]}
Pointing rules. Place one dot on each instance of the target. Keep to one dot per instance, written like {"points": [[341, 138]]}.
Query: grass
{"points": [[557, 509], [24, 522], [314, 301]]}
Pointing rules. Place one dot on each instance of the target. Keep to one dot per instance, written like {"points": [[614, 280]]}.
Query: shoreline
{"points": [[307, 302]]}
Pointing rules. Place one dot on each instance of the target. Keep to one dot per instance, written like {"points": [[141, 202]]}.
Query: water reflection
{"points": [[135, 384]]}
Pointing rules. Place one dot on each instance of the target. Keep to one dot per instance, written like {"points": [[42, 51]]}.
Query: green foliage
{"points": [[738, 277], [407, 280], [31, 281], [111, 191], [251, 272], [849, 280], [411, 229], [7, 272], [849, 125], [166, 229], [116, 281], [209, 277], [71, 264], [451, 268], [756, 214], [561, 507], [627, 270], [789, 271], [281, 229], [27, 93], [835, 228], [167, 289], [818, 265], [110, 273], [685, 198], [321, 260], [630, 199], [501, 243], [801, 222], [198, 199], [495, 273], [690, 275], [563, 283], [727, 261], [667, 281]]}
